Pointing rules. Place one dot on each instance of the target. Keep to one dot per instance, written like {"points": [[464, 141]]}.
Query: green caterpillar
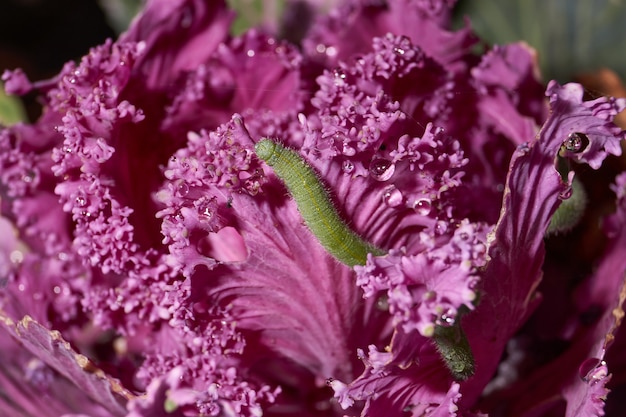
{"points": [[315, 205], [340, 241], [455, 350]]}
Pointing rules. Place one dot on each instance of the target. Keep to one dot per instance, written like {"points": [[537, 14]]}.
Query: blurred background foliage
{"points": [[571, 36]]}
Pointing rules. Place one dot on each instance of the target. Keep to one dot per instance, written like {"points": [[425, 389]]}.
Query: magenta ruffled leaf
{"points": [[177, 36], [423, 390], [151, 236], [591, 118], [534, 190], [52, 349], [32, 388], [348, 30]]}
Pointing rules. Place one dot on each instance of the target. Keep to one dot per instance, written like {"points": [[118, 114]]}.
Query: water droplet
{"points": [[16, 257], [382, 303], [347, 167], [565, 194], [382, 169], [441, 227], [183, 189], [592, 370], [28, 177], [348, 150], [250, 53], [339, 76], [423, 206], [81, 201], [523, 148], [398, 51], [447, 319], [252, 185], [392, 197], [206, 207], [576, 142]]}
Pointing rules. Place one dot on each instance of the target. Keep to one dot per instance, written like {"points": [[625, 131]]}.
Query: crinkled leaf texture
{"points": [[142, 209], [81, 380]]}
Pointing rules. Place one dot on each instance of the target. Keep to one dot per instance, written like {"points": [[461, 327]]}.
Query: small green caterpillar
{"points": [[455, 351], [320, 215], [315, 205]]}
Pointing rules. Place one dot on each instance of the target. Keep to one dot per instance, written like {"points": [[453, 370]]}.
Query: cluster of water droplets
{"points": [[382, 169]]}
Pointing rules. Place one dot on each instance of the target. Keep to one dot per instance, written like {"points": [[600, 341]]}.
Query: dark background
{"points": [[39, 36]]}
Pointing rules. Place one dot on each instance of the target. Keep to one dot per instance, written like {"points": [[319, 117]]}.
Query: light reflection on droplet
{"points": [[523, 148], [423, 206], [576, 142], [441, 227], [382, 303], [447, 319], [347, 166], [392, 197], [348, 150], [382, 169], [592, 370], [183, 189], [16, 256], [565, 194]]}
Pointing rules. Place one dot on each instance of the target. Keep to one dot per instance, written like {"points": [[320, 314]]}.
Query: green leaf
{"points": [[120, 13], [571, 36], [251, 13], [11, 110]]}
